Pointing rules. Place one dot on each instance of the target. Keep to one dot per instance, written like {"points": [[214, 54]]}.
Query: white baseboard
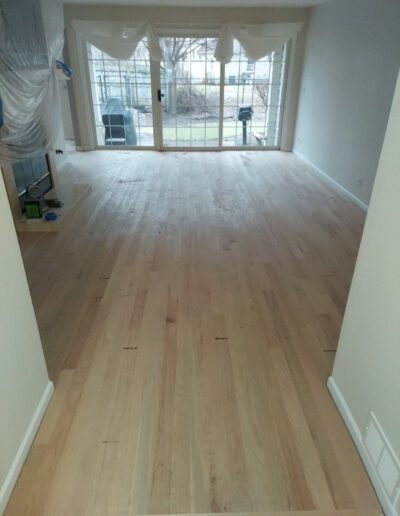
{"points": [[23, 450], [387, 506], [338, 186]]}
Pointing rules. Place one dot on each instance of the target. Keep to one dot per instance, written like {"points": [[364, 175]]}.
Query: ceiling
{"points": [[205, 3]]}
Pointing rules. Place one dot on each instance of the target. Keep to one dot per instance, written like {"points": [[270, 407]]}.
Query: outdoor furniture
{"points": [[118, 123]]}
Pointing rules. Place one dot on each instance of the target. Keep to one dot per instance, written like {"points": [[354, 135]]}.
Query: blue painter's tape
{"points": [[51, 216], [66, 69]]}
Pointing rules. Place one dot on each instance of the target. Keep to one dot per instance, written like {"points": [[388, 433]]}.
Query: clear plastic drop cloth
{"points": [[31, 40]]}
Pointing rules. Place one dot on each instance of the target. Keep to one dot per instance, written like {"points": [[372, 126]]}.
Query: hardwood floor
{"points": [[189, 312]]}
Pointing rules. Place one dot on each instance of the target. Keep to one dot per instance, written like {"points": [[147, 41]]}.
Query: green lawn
{"points": [[196, 133]]}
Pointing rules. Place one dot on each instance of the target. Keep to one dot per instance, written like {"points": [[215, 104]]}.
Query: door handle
{"points": [[159, 95]]}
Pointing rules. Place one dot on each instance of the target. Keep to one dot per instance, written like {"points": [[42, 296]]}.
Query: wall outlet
{"points": [[385, 461], [397, 502]]}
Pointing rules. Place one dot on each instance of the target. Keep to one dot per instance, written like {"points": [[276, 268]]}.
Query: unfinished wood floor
{"points": [[189, 312]]}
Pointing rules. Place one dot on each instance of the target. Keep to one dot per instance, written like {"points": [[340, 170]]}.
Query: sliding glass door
{"points": [[189, 100], [190, 85]]}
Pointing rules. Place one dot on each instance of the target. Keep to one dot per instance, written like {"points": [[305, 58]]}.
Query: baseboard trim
{"points": [[23, 450], [356, 435], [334, 183]]}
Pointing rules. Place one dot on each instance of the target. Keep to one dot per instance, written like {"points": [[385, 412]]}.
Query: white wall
{"points": [[350, 68], [24, 384], [367, 365]]}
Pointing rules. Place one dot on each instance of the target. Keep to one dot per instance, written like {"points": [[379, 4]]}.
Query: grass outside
{"points": [[202, 133], [199, 135]]}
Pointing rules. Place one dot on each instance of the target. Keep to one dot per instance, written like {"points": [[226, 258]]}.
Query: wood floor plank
{"points": [[274, 513], [189, 311]]}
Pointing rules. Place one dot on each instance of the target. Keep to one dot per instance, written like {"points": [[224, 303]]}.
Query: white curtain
{"points": [[256, 40], [118, 39]]}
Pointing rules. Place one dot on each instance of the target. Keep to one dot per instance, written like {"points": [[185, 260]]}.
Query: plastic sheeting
{"points": [[118, 39], [257, 40], [31, 40]]}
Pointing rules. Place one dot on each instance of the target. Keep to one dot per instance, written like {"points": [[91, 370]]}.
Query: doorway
{"points": [[190, 92]]}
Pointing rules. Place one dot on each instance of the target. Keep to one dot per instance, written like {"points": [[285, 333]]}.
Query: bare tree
{"points": [[174, 51], [262, 91]]}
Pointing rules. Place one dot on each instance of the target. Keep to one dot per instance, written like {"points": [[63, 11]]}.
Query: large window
{"points": [[190, 111]]}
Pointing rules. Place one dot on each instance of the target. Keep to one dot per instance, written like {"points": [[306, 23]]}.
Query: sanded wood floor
{"points": [[189, 312]]}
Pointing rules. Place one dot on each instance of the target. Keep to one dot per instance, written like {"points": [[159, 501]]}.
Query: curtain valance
{"points": [[119, 39], [257, 40]]}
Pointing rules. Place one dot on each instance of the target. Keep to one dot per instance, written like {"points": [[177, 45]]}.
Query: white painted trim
{"points": [[182, 149], [155, 85], [23, 450], [356, 435], [338, 186], [286, 135]]}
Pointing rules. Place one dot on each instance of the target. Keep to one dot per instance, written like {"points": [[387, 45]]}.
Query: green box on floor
{"points": [[33, 210]]}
